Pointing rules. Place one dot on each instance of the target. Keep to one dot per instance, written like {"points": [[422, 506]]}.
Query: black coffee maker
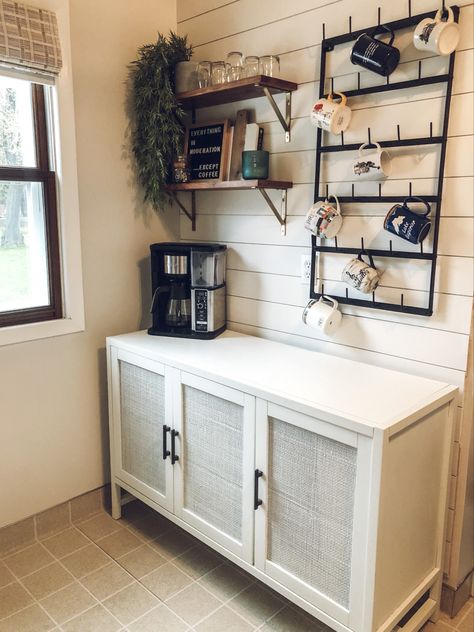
{"points": [[188, 288]]}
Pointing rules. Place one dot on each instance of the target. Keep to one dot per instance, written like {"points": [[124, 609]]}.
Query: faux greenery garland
{"points": [[157, 129]]}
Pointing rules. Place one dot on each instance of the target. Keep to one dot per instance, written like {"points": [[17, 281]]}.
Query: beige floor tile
{"points": [[47, 580], [226, 581], [460, 615], [32, 619], [5, 575], [166, 581], [141, 561], [106, 581], [292, 619], [159, 619], [173, 543], [439, 626], [13, 598], [193, 603], [97, 619], [130, 603], [135, 510], [86, 505], [52, 521], [467, 623], [224, 620], [150, 526], [29, 560], [66, 542], [85, 561], [198, 561], [16, 536], [256, 603], [119, 543], [99, 526], [68, 602]]}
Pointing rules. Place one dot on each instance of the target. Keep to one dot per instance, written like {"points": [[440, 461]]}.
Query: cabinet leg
{"points": [[116, 501], [435, 594]]}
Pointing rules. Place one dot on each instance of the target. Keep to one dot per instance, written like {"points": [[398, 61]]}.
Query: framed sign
{"points": [[207, 149]]}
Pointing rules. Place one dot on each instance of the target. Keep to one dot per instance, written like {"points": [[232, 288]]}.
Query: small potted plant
{"points": [[157, 120]]}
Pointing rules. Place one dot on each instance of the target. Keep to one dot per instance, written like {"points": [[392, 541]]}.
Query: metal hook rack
{"points": [[321, 246]]}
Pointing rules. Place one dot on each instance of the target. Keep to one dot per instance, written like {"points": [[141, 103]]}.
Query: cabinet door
{"points": [[306, 521], [213, 480], [142, 419]]}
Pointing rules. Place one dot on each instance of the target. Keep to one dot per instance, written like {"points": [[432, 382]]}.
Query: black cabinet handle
{"points": [[174, 456], [166, 452], [256, 500]]}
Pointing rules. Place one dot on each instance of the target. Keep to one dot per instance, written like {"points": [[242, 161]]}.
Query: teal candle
{"points": [[255, 165]]}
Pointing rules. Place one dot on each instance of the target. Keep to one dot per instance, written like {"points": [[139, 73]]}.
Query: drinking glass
{"points": [[270, 65], [235, 58], [235, 61], [251, 66], [204, 74], [218, 72]]}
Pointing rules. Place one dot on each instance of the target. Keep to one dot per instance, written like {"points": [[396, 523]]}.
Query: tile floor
{"points": [[143, 574]]}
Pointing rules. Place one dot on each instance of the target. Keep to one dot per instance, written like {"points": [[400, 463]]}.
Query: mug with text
{"points": [[322, 314], [375, 55], [407, 224], [361, 275], [436, 35], [324, 219], [373, 164]]}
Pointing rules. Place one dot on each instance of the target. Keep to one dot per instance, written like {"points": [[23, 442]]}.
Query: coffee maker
{"points": [[188, 288]]}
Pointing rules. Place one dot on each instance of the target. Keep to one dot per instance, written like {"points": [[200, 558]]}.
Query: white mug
{"points": [[323, 219], [437, 35], [331, 116], [322, 314], [373, 164], [360, 275]]}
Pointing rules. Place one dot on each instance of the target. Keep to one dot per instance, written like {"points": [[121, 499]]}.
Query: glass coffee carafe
{"points": [[178, 308]]}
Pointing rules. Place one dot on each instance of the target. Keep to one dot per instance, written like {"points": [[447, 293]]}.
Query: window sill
{"points": [[37, 331]]}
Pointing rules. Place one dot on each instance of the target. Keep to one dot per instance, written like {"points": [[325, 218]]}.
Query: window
{"points": [[30, 273]]}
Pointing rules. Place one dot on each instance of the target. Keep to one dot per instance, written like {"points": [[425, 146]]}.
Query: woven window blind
{"points": [[29, 38]]}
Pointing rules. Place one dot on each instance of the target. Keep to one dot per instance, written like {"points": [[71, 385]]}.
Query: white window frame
{"points": [[64, 153]]}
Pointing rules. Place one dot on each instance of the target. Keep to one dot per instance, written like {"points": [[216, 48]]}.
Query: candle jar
{"points": [[180, 169], [255, 165]]}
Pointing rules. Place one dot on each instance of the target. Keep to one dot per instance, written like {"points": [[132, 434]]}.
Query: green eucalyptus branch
{"points": [[157, 128]]}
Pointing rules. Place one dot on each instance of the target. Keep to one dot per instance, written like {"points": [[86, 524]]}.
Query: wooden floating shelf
{"points": [[248, 88], [229, 185]]}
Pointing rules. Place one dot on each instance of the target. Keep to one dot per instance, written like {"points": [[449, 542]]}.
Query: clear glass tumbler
{"points": [[218, 72], [235, 61], [270, 65], [204, 74], [251, 66]]}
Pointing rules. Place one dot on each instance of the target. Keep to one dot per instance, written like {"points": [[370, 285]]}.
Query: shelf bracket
{"points": [[286, 120], [191, 215], [281, 216]]}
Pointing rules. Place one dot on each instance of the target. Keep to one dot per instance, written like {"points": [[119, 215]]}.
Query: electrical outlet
{"points": [[305, 269]]}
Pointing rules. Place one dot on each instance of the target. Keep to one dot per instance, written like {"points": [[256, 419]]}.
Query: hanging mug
{"points": [[404, 223], [331, 116], [324, 219], [322, 314], [437, 35], [374, 55], [373, 164], [361, 275]]}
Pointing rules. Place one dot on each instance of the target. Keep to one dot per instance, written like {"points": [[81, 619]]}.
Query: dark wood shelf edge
{"points": [[250, 87], [229, 185]]}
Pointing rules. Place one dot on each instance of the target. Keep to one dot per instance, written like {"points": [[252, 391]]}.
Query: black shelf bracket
{"points": [[321, 247], [191, 215], [280, 215], [285, 121]]}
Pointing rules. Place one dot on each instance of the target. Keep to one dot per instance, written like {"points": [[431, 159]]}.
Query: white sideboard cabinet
{"points": [[325, 478]]}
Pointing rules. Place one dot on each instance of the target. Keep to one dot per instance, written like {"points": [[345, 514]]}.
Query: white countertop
{"points": [[369, 395]]}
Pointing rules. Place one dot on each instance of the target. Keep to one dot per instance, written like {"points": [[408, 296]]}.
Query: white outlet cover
{"points": [[305, 274]]}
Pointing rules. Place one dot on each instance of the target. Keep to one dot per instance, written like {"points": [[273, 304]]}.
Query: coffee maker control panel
{"points": [[200, 307]]}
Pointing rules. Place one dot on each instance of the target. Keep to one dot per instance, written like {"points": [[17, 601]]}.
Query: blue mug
{"points": [[412, 227]]}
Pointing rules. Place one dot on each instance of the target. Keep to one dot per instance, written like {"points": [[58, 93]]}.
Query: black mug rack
{"points": [[321, 191]]}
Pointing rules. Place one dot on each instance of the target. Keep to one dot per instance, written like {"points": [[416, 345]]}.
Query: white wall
{"points": [[53, 391], [265, 296]]}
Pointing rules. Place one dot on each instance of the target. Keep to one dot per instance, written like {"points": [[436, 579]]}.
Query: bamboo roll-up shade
{"points": [[29, 38]]}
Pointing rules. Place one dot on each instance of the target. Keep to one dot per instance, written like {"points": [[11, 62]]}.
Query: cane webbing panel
{"points": [[310, 507], [142, 396], [29, 37], [213, 454]]}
